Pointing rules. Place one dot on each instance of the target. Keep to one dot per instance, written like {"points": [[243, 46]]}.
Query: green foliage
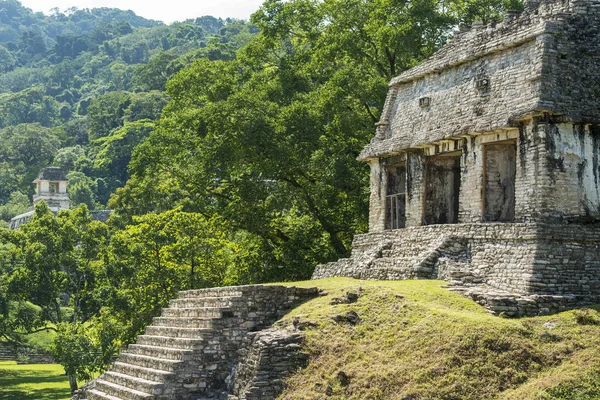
{"points": [[154, 75], [106, 112], [53, 68], [82, 190], [17, 204], [160, 254], [29, 106]]}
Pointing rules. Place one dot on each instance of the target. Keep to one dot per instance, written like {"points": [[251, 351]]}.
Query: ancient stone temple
{"points": [[485, 165]]}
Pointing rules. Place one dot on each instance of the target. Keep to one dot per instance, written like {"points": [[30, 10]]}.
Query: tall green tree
{"points": [[59, 258], [150, 260]]}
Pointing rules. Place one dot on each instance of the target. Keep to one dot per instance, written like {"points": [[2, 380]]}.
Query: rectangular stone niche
{"points": [[395, 199], [500, 163], [442, 187]]}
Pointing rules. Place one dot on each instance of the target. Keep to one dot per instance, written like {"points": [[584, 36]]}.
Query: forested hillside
{"points": [[226, 149], [81, 89]]}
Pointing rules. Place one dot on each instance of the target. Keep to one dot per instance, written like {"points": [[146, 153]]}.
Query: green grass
{"points": [[33, 382], [419, 341]]}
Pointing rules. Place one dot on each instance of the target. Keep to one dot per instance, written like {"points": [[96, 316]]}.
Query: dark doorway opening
{"points": [[442, 187], [500, 167], [395, 199]]}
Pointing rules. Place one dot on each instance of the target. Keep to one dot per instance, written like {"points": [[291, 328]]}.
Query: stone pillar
{"points": [[377, 198], [533, 183], [471, 181], [415, 187]]}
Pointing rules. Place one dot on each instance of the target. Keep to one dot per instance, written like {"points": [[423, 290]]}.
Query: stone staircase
{"points": [[7, 352], [191, 350]]}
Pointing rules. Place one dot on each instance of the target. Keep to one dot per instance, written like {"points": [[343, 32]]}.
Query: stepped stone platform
{"points": [[193, 349], [512, 268], [23, 355]]}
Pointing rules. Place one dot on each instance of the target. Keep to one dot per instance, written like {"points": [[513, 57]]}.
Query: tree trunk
{"points": [[73, 383]]}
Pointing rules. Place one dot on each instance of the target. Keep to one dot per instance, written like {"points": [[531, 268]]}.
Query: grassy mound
{"points": [[416, 340]]}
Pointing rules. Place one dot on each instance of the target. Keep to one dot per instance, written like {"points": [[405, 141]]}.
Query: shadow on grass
{"points": [[40, 394], [33, 384]]}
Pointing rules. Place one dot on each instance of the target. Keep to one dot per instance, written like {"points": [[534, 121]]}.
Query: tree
{"points": [[31, 144], [69, 158], [154, 74], [60, 256], [82, 189], [113, 153], [146, 105], [158, 255], [7, 60], [29, 106], [106, 112], [18, 203]]}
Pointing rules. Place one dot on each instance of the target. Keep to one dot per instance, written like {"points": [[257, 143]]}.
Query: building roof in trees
{"points": [[52, 174]]}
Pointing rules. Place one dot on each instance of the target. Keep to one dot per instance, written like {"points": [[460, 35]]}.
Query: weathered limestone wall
{"points": [[500, 169], [556, 173], [573, 152], [457, 106], [415, 187], [378, 183], [524, 258], [491, 77], [23, 355], [442, 186], [571, 83]]}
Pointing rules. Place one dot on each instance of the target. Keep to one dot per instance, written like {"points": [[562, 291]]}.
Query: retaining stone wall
{"points": [[267, 357], [525, 259]]}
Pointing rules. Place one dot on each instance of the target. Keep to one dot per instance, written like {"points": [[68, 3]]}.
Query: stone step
{"points": [[140, 384], [185, 322], [167, 353], [150, 362], [94, 394], [200, 304], [175, 332], [212, 301], [210, 292], [149, 374], [120, 392], [172, 342], [189, 310]]}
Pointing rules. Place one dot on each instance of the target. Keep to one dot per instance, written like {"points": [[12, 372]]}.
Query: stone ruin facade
{"points": [[485, 165]]}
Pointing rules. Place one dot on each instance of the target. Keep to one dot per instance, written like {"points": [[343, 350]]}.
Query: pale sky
{"points": [[162, 10]]}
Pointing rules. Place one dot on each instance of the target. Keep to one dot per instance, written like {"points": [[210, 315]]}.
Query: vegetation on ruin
{"points": [[417, 340]]}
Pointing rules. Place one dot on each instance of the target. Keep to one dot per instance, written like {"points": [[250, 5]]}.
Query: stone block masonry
{"points": [[527, 268], [268, 357], [192, 350]]}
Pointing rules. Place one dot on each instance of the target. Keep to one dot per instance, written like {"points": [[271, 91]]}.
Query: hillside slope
{"points": [[416, 340]]}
